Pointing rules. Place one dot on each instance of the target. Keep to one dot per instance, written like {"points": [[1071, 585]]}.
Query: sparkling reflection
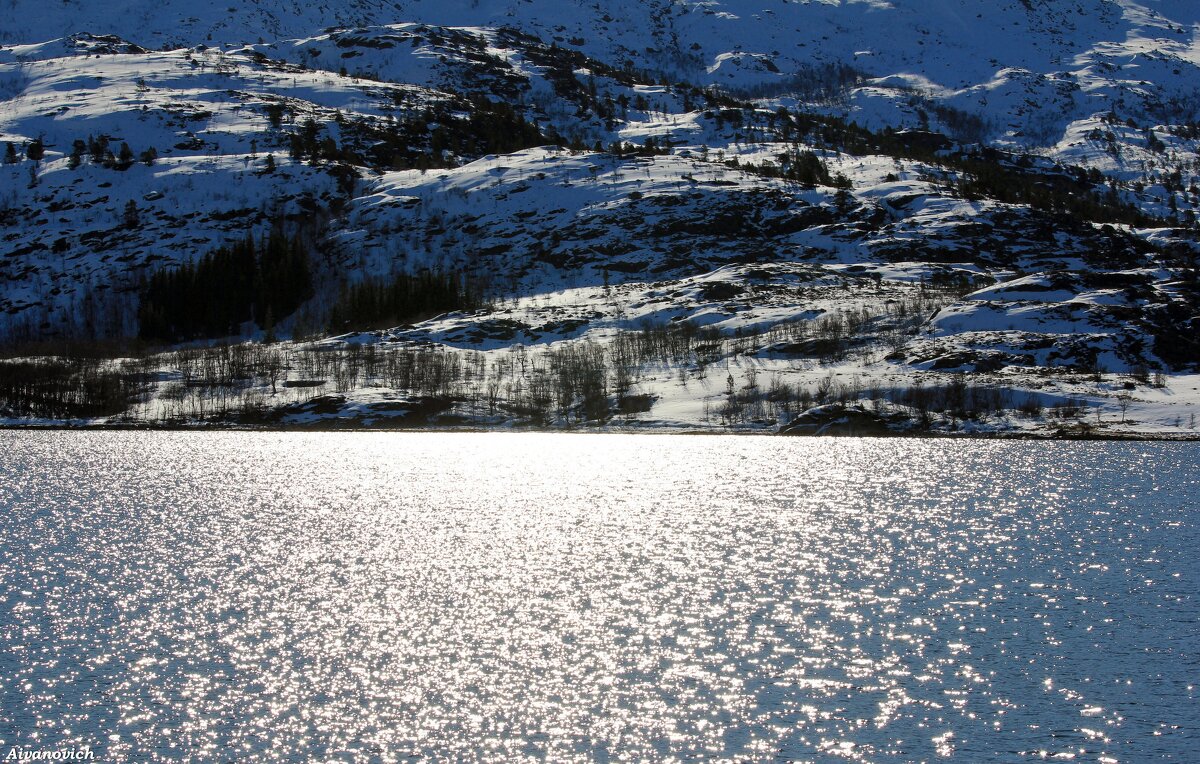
{"points": [[363, 597]]}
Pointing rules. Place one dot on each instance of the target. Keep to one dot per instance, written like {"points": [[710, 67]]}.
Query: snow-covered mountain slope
{"points": [[198, 131], [970, 188], [1005, 62]]}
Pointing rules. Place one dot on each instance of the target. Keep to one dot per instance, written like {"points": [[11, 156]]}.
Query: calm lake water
{"points": [[511, 597]]}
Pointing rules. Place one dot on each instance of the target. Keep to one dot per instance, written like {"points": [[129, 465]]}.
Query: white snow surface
{"points": [[579, 245]]}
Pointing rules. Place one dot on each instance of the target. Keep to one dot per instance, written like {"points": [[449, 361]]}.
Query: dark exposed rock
{"points": [[837, 419]]}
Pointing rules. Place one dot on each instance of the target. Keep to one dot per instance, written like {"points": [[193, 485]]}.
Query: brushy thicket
{"points": [[563, 384], [69, 388]]}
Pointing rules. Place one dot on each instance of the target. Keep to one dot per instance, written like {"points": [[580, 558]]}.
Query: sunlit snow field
{"points": [[508, 597]]}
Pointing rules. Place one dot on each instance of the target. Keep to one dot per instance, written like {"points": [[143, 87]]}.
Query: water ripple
{"points": [[376, 597]]}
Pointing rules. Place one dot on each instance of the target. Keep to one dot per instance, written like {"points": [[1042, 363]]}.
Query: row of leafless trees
{"points": [[565, 383], [959, 399], [70, 388]]}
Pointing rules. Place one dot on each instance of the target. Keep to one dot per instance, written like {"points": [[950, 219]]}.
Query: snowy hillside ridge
{"points": [[1029, 69], [938, 218]]}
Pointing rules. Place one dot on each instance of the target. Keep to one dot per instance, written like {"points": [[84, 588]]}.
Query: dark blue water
{"points": [[398, 597]]}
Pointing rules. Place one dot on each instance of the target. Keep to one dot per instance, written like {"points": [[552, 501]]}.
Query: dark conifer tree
{"points": [[98, 148], [244, 281], [78, 148], [124, 157]]}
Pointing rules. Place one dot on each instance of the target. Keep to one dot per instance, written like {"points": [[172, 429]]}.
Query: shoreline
{"points": [[681, 431]]}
